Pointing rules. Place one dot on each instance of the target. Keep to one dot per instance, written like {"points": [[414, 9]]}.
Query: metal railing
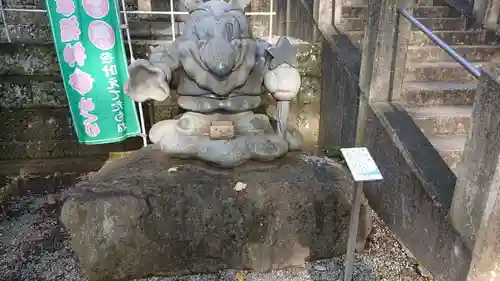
{"points": [[445, 47]]}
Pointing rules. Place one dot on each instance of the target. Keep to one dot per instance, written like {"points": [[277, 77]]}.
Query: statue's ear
{"points": [[241, 4], [191, 4]]}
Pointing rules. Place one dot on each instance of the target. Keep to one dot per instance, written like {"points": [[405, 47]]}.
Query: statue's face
{"points": [[219, 29]]}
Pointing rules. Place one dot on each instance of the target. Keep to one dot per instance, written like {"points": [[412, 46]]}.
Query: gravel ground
{"points": [[35, 247]]}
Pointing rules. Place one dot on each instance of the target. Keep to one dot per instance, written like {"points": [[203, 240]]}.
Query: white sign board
{"points": [[361, 164]]}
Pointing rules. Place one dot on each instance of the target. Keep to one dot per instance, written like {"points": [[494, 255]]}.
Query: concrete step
{"points": [[39, 59], [454, 37], [451, 37], [427, 93], [417, 2], [450, 148], [46, 149], [432, 53], [439, 71], [441, 120], [36, 124], [361, 11], [36, 28], [358, 24], [30, 91], [46, 132]]}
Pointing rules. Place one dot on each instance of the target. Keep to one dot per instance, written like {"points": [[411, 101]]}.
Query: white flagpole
{"points": [[5, 24], [129, 42], [172, 19]]}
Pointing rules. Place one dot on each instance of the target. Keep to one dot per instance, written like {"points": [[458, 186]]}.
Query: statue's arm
{"points": [[150, 79]]}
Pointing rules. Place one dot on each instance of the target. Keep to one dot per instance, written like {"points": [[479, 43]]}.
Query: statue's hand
{"points": [[146, 82], [283, 82]]}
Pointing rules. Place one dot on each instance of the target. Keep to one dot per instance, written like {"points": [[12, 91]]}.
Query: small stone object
{"points": [[222, 130], [283, 53], [423, 271], [173, 169], [51, 200], [240, 186]]}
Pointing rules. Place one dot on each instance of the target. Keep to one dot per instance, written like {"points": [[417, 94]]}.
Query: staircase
{"points": [[437, 92]]}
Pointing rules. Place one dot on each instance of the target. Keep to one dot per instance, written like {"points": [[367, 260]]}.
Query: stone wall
{"points": [[37, 135]]}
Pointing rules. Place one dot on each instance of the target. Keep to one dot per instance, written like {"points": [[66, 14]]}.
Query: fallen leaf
{"points": [[172, 169], [239, 277], [423, 271], [319, 268], [240, 186]]}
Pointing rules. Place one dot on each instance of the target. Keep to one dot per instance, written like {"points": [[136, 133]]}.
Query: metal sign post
{"points": [[363, 168]]}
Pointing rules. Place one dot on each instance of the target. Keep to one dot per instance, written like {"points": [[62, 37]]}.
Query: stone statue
{"points": [[224, 74]]}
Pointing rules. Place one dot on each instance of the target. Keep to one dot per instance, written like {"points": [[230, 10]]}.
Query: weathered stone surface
{"points": [[435, 53], [36, 124], [309, 92], [136, 218], [438, 93], [46, 148], [441, 71], [353, 24], [415, 195], [452, 37], [26, 92], [41, 58], [305, 118], [309, 59], [28, 59]]}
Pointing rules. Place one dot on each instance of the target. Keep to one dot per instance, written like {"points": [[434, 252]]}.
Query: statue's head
{"points": [[218, 29]]}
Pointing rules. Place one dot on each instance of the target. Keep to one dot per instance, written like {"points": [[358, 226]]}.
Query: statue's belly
{"points": [[252, 87], [234, 103]]}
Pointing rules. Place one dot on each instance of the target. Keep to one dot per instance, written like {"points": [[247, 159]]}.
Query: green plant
{"points": [[335, 154]]}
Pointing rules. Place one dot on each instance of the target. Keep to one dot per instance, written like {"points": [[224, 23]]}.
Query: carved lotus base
{"points": [[255, 138]]}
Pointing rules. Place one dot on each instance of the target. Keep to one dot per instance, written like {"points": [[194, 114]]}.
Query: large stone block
{"points": [[23, 91], [153, 215]]}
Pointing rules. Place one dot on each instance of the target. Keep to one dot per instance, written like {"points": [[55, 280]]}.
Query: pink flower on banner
{"points": [[70, 29], [81, 81], [65, 7], [96, 8], [75, 53], [92, 130], [86, 105], [101, 35]]}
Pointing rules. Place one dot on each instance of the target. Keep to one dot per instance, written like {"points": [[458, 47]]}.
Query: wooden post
{"points": [[475, 210]]}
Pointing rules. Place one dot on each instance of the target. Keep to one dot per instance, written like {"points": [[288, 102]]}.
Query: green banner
{"points": [[93, 66]]}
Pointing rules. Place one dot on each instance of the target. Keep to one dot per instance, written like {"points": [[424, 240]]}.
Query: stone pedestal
{"points": [[151, 215]]}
